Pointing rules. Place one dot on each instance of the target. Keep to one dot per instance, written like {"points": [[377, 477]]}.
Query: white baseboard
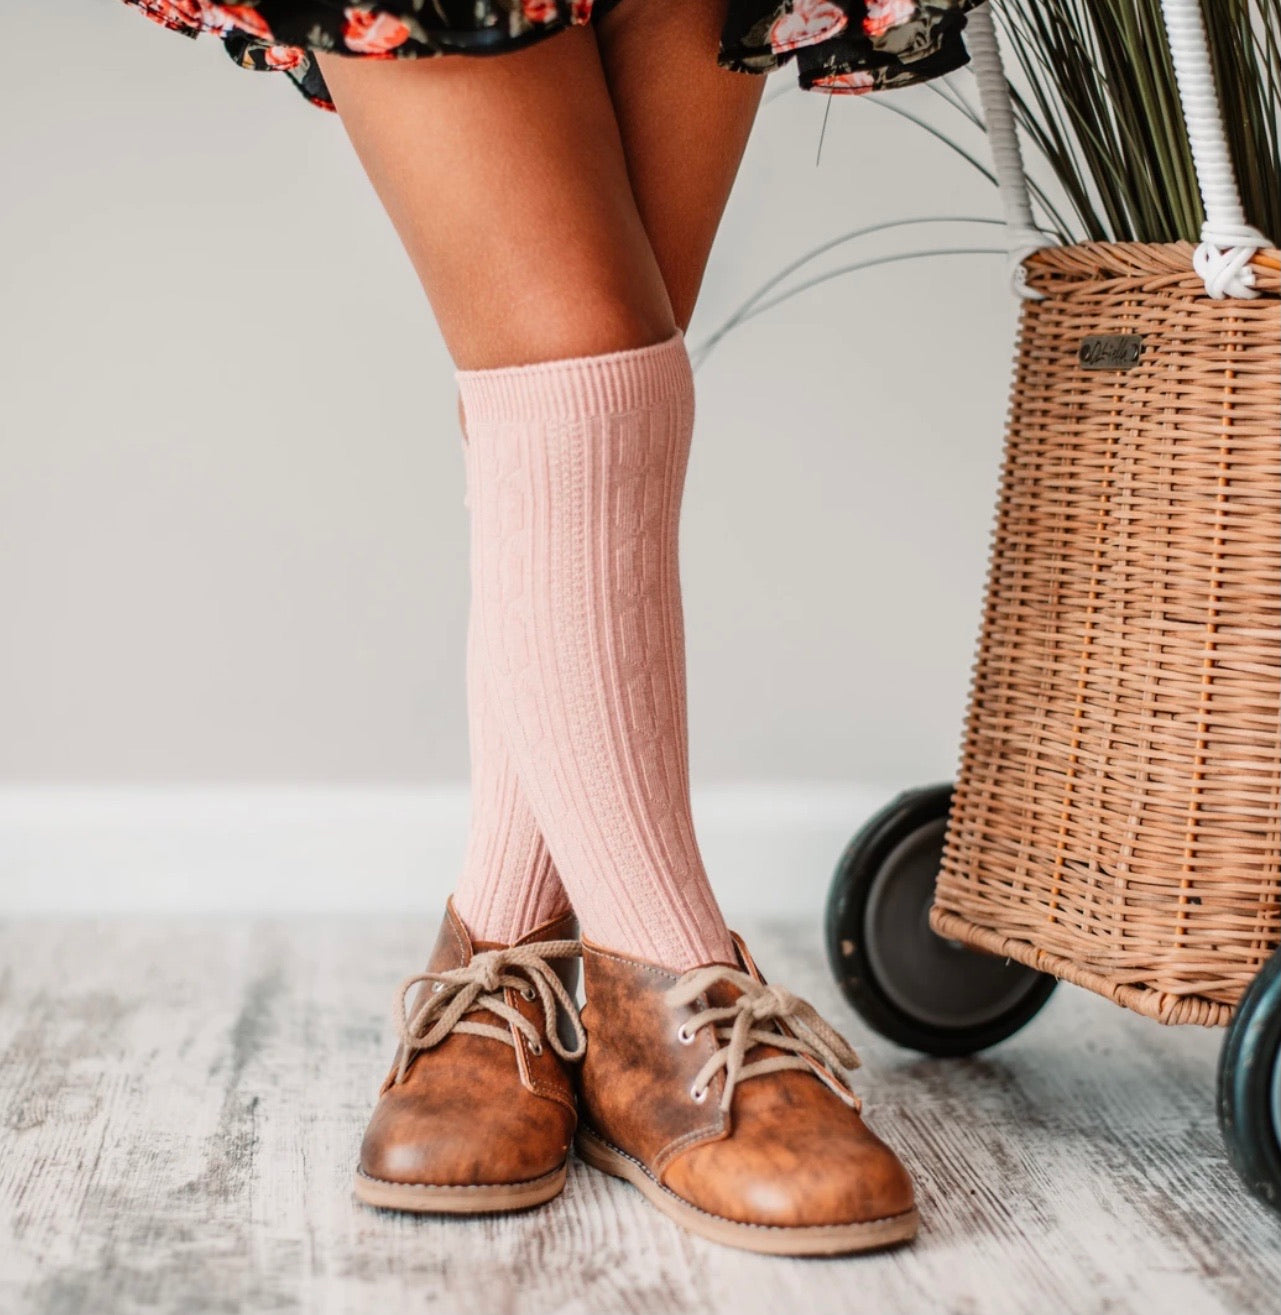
{"points": [[273, 849]]}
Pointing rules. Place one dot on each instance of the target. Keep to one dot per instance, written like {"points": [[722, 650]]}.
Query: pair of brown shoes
{"points": [[712, 1092]]}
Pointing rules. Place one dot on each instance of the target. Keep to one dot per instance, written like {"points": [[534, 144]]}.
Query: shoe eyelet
{"points": [[698, 1094], [685, 1036], [536, 1048], [437, 987], [527, 993]]}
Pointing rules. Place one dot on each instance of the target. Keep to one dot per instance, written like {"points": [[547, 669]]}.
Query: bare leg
{"points": [[505, 178], [684, 123]]}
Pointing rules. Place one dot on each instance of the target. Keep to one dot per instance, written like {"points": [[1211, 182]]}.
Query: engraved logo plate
{"points": [[1110, 351]]}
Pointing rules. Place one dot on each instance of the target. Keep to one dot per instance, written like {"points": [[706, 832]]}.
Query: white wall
{"points": [[232, 541]]}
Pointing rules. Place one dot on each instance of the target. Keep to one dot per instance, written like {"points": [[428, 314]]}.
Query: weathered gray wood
{"points": [[180, 1104]]}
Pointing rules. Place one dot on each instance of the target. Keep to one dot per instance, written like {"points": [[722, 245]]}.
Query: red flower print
{"points": [[882, 15], [283, 57], [244, 18], [580, 11], [539, 11], [808, 22], [855, 82], [372, 34], [174, 13]]}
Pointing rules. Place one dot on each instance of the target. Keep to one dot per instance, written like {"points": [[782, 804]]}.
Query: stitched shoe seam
{"points": [[458, 940], [678, 1145], [464, 1187], [547, 1091], [651, 968], [738, 1223]]}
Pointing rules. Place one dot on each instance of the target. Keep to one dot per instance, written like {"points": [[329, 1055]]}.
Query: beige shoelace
{"points": [[442, 1009], [753, 1020]]}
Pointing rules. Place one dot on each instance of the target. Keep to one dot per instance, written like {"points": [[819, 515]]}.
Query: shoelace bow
{"points": [[753, 1020], [456, 992]]}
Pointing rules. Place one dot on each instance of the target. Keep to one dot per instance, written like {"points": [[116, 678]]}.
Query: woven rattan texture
{"points": [[1117, 818]]}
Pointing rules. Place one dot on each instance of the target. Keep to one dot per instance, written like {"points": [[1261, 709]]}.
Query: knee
{"points": [[577, 322], [596, 324]]}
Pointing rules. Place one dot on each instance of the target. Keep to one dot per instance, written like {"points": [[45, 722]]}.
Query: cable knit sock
{"points": [[509, 883], [575, 470]]}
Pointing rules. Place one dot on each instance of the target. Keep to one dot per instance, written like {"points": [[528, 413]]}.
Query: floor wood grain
{"points": [[180, 1104]]}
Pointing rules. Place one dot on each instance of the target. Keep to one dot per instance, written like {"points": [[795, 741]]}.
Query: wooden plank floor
{"points": [[180, 1104]]}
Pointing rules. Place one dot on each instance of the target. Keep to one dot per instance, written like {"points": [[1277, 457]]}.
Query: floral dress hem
{"points": [[838, 46]]}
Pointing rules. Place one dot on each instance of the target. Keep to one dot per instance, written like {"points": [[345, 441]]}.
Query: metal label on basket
{"points": [[1110, 351]]}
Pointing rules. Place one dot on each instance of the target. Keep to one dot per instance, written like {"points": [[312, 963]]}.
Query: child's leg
{"points": [[684, 123], [510, 187], [509, 883], [505, 178]]}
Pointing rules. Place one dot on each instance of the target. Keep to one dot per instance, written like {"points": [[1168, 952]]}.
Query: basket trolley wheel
{"points": [[1250, 1085], [906, 982]]}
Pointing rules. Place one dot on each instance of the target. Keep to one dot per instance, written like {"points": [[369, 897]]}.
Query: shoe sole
{"points": [[453, 1199], [768, 1239]]}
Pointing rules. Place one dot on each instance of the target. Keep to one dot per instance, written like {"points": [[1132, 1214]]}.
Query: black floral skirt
{"points": [[838, 45]]}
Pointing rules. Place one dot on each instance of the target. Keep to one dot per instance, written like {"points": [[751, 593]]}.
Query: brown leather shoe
{"points": [[718, 1097], [478, 1111]]}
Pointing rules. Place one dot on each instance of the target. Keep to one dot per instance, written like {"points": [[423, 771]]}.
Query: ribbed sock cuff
{"points": [[578, 386]]}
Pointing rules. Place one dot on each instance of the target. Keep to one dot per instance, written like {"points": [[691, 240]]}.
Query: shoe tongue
{"points": [[721, 995], [484, 1015], [455, 949]]}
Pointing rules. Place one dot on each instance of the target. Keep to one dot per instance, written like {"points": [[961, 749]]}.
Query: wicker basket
{"points": [[1117, 817]]}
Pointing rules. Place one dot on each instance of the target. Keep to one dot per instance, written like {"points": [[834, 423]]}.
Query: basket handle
{"points": [[1228, 242], [1021, 233]]}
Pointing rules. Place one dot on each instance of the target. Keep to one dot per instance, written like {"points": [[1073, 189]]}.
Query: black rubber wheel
{"points": [[1250, 1086], [909, 984]]}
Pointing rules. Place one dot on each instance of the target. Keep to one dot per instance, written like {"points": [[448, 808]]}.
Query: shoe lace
{"points": [[757, 1018], [480, 985]]}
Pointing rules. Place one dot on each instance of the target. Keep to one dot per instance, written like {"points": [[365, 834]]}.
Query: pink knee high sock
{"points": [[509, 884], [575, 471]]}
